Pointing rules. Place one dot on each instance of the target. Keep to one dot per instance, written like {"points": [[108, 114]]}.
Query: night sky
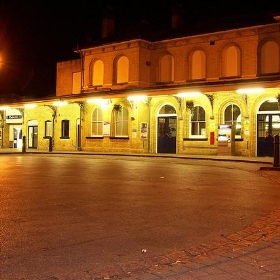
{"points": [[35, 35]]}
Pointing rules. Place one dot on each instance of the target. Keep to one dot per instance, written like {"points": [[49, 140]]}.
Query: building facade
{"points": [[208, 94]]}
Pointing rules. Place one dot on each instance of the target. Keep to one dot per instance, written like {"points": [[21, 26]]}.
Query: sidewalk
{"points": [[265, 160], [252, 253]]}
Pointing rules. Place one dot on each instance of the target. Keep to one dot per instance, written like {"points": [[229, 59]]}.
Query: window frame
{"points": [[198, 122], [97, 122], [120, 122], [234, 122], [48, 129], [65, 129]]}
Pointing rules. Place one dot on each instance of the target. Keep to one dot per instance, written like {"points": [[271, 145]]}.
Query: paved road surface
{"points": [[92, 217]]}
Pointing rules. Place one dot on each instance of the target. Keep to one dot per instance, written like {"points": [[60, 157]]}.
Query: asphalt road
{"points": [[63, 214]]}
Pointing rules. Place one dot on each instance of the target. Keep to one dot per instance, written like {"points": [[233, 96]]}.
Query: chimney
{"points": [[108, 22], [177, 15]]}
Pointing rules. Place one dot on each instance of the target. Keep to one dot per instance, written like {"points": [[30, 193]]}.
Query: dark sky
{"points": [[35, 35]]}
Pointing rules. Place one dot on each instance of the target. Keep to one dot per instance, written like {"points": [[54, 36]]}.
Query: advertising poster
{"points": [[144, 130]]}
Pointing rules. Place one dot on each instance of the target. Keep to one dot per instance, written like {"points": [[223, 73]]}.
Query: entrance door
{"points": [[167, 129], [268, 125], [32, 137]]}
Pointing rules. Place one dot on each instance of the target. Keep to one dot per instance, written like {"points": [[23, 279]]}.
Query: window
{"points": [[198, 124], [198, 65], [231, 62], [232, 116], [48, 128], [97, 122], [65, 125], [122, 70], [97, 73], [76, 83], [269, 58], [167, 69], [120, 121]]}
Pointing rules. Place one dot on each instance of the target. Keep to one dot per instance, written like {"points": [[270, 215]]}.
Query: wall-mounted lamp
{"points": [[99, 101], [250, 90], [60, 103], [142, 98], [190, 94], [30, 105], [4, 108]]}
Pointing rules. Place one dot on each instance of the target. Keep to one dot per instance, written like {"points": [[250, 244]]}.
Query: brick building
{"points": [[182, 91]]}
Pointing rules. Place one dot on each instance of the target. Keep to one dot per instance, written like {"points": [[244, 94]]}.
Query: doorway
{"points": [[166, 130], [32, 136], [268, 125]]}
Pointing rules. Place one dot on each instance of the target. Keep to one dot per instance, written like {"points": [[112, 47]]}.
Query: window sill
{"points": [[268, 74], [195, 139], [165, 83], [121, 84], [119, 138], [196, 80], [95, 137], [230, 77], [64, 137]]}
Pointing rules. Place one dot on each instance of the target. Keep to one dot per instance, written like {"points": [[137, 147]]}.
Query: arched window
{"points": [[167, 69], [231, 66], [97, 73], [232, 116], [198, 124], [167, 110], [269, 105], [198, 65], [97, 122], [269, 58], [119, 121], [122, 70]]}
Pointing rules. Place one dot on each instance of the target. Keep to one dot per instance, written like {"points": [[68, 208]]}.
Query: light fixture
{"points": [[30, 105], [3, 108], [60, 103], [99, 101], [142, 98], [190, 94], [250, 90]]}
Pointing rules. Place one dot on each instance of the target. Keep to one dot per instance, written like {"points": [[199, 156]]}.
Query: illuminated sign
{"points": [[14, 117]]}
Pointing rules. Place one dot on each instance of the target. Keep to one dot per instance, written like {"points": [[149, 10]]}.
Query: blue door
{"points": [[167, 127]]}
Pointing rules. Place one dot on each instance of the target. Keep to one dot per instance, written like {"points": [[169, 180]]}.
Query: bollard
{"points": [[24, 144], [276, 151], [50, 144]]}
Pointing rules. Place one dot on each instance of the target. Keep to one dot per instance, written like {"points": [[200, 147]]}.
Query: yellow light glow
{"points": [[60, 103], [3, 108], [250, 90], [137, 98], [99, 101], [188, 94], [30, 105], [272, 100]]}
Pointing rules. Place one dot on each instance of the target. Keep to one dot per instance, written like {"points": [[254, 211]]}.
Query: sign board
{"points": [[13, 116], [144, 130]]}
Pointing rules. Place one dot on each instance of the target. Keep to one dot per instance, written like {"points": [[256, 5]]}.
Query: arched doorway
{"points": [[166, 130], [268, 125]]}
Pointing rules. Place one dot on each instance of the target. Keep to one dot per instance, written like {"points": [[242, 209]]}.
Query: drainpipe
{"points": [[78, 51], [51, 144], [81, 106], [149, 125]]}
